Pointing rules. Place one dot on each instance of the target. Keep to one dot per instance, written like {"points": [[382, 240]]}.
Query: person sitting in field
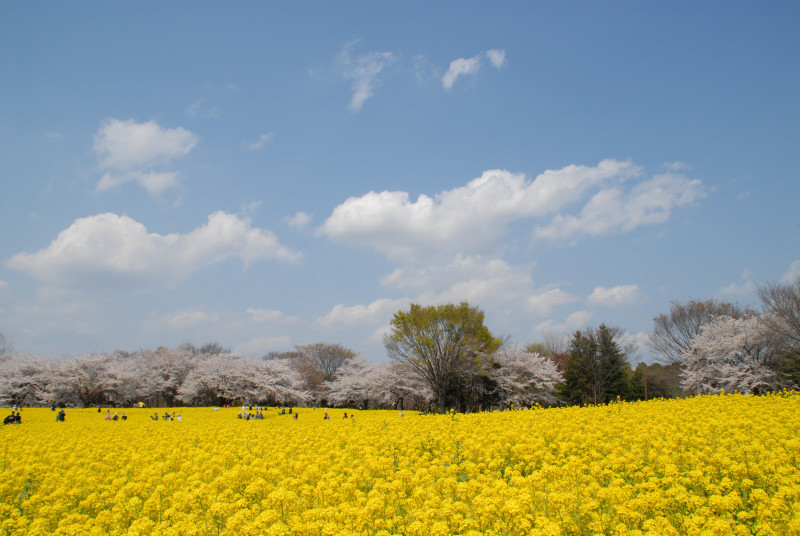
{"points": [[124, 416], [10, 419], [327, 417], [155, 416], [17, 418], [294, 416], [115, 417], [178, 418], [60, 415], [108, 414]]}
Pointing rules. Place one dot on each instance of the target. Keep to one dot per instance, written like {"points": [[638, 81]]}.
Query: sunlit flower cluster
{"points": [[709, 465]]}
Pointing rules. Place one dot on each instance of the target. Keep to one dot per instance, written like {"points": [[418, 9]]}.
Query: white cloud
{"points": [[613, 210], [260, 143], [188, 318], [269, 316], [575, 321], [299, 221], [465, 218], [128, 145], [635, 341], [363, 71], [129, 152], [380, 310], [260, 346], [497, 57], [542, 302], [746, 288], [480, 281], [112, 250], [616, 296], [198, 108], [793, 274], [471, 66], [461, 67], [3, 284]]}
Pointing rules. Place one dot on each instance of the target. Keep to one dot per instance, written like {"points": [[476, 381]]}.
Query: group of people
{"points": [[116, 416], [167, 416], [14, 418], [247, 416], [250, 413]]}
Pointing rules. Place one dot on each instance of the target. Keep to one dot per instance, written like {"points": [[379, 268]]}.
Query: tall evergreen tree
{"points": [[595, 371]]}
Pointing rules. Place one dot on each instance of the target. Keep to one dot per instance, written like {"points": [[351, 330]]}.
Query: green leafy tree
{"points": [[441, 345]]}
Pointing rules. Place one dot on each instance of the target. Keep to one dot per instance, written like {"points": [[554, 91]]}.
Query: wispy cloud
{"points": [[260, 143], [616, 296], [363, 72], [199, 108], [471, 66]]}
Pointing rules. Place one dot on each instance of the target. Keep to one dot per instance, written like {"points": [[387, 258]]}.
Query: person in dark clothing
{"points": [[60, 415]]}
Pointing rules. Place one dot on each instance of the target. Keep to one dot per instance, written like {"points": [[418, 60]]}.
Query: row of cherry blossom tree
{"points": [[183, 376]]}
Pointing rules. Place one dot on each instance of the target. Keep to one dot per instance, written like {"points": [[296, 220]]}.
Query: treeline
{"points": [[443, 357], [315, 374]]}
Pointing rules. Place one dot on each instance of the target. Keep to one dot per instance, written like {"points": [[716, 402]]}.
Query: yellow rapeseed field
{"points": [[708, 465]]}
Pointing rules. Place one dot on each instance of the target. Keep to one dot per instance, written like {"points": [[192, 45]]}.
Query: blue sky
{"points": [[265, 174]]}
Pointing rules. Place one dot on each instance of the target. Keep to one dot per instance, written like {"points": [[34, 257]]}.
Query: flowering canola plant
{"points": [[710, 465]]}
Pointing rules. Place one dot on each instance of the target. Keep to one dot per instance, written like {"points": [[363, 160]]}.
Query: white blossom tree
{"points": [[23, 379], [734, 354], [233, 379], [355, 386], [157, 375], [89, 380], [398, 387], [524, 378]]}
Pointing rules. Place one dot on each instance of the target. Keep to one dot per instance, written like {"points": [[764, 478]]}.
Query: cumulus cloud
{"points": [[543, 302], [614, 210], [363, 73], [574, 321], [380, 310], [130, 151], [616, 296], [465, 218], [475, 279], [260, 143], [112, 250], [471, 66], [127, 145], [299, 221]]}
